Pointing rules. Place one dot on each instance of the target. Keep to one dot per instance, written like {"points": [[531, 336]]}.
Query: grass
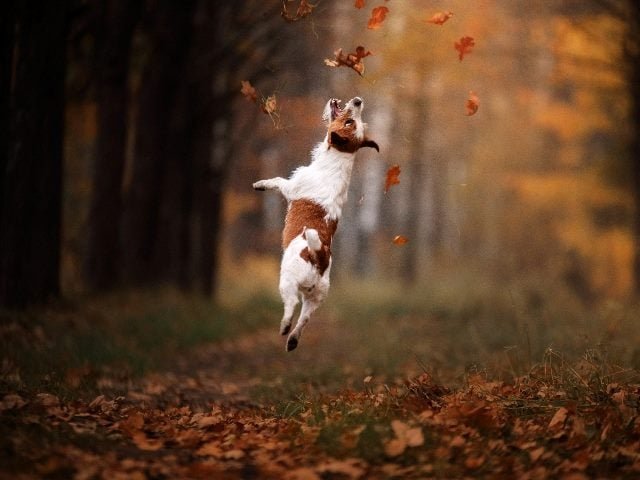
{"points": [[65, 348]]}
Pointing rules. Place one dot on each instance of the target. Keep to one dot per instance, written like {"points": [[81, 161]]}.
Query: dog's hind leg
{"points": [[310, 303], [289, 294]]}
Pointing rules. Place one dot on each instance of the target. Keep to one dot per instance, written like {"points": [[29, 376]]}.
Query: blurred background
{"points": [[521, 220]]}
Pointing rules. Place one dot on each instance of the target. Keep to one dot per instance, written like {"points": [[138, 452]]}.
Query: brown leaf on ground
{"points": [[559, 418]]}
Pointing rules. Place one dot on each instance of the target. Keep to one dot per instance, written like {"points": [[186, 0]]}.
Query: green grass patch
{"points": [[65, 348]]}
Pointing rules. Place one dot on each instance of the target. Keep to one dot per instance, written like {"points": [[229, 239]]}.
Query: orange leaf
{"points": [[360, 3], [559, 418], [440, 17], [351, 60], [248, 91], [472, 104], [392, 177], [464, 46], [378, 15], [400, 240]]}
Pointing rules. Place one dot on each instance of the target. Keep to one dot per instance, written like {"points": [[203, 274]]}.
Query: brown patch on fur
{"points": [[342, 136], [303, 214]]}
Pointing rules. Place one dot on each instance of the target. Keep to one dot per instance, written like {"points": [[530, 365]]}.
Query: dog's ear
{"points": [[369, 143], [337, 140]]}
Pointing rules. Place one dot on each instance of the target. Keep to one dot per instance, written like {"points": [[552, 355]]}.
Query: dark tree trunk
{"points": [[170, 39], [7, 28], [32, 176], [113, 45]]}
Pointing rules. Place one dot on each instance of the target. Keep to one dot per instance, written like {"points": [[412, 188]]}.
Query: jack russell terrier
{"points": [[315, 195]]}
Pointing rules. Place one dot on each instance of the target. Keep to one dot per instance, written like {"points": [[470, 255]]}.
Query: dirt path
{"points": [[246, 409]]}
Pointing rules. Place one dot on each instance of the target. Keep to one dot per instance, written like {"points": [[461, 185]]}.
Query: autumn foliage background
{"points": [[482, 319]]}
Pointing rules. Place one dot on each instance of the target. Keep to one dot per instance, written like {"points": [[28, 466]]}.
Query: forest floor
{"points": [[362, 397]]}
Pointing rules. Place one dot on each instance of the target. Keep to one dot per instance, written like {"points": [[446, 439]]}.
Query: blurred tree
{"points": [[200, 50], [169, 32], [31, 175], [115, 23]]}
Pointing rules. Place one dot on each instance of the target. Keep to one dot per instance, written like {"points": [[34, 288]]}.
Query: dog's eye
{"points": [[349, 122]]}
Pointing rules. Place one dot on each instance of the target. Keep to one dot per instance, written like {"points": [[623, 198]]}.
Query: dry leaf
{"points": [[400, 240], [248, 91], [559, 418], [351, 60], [360, 3], [145, 443], [395, 447], [378, 15], [440, 17], [392, 178], [464, 46], [11, 401], [405, 437], [304, 9], [472, 104], [269, 104]]}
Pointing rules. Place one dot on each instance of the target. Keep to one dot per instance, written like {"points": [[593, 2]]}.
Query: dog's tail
{"points": [[313, 240]]}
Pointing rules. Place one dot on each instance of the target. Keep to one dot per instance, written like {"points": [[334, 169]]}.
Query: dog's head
{"points": [[346, 130]]}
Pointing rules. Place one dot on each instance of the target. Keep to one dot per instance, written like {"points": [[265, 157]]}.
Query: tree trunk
{"points": [[170, 38], [7, 28], [32, 177], [118, 20]]}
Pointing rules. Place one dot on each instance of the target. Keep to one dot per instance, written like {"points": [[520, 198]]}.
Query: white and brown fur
{"points": [[316, 194]]}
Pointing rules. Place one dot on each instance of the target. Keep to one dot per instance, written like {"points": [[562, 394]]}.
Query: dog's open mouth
{"points": [[336, 110]]}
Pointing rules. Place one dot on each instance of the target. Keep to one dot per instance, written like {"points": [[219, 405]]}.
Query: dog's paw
{"points": [[292, 343], [284, 328], [259, 185]]}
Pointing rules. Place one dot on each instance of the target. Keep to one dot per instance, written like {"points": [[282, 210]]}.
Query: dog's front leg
{"points": [[277, 183]]}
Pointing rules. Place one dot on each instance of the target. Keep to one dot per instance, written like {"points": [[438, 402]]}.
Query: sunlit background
{"points": [[519, 218]]}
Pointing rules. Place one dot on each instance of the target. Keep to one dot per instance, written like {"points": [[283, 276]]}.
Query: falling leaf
{"points": [[400, 240], [378, 15], [269, 104], [351, 60], [248, 91], [392, 177], [367, 379], [472, 104], [440, 17], [304, 9], [360, 3], [464, 46]]}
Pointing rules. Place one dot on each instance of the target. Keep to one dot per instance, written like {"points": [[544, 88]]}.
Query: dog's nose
{"points": [[357, 101]]}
